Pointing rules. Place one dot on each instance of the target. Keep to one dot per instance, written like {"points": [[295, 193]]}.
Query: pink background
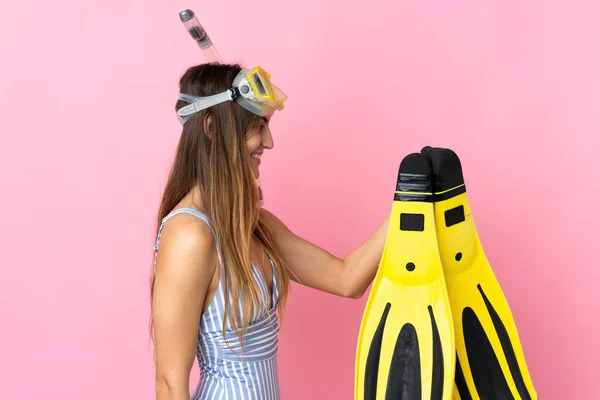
{"points": [[88, 130]]}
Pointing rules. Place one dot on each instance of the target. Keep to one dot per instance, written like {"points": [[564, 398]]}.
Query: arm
{"points": [[313, 266], [185, 267]]}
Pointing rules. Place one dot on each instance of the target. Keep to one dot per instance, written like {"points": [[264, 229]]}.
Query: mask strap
{"points": [[201, 103]]}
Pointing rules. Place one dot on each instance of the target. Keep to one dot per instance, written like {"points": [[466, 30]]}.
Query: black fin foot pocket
{"points": [[414, 179], [446, 168]]}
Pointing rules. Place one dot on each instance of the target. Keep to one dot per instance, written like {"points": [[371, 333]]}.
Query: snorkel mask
{"points": [[251, 88]]}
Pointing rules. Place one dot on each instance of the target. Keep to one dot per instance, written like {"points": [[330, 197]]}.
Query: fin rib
{"points": [[485, 368], [437, 373], [372, 367], [461, 383], [506, 344]]}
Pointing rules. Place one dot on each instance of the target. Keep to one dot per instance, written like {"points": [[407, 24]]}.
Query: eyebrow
{"points": [[265, 119]]}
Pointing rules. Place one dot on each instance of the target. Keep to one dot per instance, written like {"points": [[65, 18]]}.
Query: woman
{"points": [[214, 238]]}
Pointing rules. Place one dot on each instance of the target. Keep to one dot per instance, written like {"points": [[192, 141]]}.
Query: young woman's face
{"points": [[257, 141]]}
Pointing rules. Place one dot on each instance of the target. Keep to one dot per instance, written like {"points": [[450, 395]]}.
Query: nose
{"points": [[267, 139]]}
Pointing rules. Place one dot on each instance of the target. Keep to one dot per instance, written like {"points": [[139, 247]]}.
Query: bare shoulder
{"points": [[187, 249]]}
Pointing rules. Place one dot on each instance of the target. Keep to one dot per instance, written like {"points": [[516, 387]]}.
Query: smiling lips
{"points": [[256, 156]]}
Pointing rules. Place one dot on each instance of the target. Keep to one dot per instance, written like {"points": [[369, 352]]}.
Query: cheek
{"points": [[253, 142]]}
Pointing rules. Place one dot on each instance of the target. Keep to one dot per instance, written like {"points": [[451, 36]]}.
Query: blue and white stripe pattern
{"points": [[227, 372]]}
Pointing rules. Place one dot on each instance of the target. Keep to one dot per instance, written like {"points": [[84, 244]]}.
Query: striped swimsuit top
{"points": [[227, 372]]}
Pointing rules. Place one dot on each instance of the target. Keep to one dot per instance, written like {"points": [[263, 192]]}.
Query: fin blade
{"points": [[488, 346], [410, 358]]}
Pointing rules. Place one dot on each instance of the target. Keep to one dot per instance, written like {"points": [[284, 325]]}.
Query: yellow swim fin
{"points": [[490, 362], [406, 344]]}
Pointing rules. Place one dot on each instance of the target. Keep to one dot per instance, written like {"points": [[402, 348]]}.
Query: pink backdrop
{"points": [[87, 132]]}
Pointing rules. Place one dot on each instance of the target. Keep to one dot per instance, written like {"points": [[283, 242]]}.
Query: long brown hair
{"points": [[217, 163]]}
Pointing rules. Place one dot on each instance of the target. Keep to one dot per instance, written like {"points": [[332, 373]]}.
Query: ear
{"points": [[208, 125]]}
